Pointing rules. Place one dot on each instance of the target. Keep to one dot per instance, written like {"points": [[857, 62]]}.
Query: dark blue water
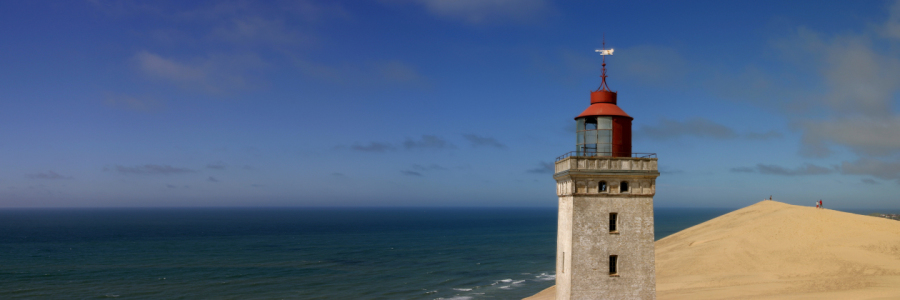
{"points": [[286, 253]]}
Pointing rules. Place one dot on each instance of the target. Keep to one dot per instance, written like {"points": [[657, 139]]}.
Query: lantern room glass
{"points": [[594, 136]]}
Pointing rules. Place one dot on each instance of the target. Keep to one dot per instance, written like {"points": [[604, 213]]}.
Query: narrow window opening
{"points": [[563, 262], [613, 220], [623, 187], [603, 187], [613, 265], [590, 124]]}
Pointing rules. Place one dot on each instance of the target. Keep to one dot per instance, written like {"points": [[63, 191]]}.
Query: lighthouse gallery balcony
{"points": [[578, 160]]}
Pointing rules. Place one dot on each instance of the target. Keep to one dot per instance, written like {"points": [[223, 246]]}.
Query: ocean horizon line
{"points": [[48, 208], [319, 207]]}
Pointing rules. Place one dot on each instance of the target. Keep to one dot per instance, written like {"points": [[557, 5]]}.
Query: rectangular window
{"points": [[604, 142], [590, 124], [613, 265], [604, 136], [604, 123], [613, 221], [590, 136]]}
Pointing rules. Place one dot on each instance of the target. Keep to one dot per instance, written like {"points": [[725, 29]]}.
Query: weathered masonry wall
{"points": [[592, 244]]}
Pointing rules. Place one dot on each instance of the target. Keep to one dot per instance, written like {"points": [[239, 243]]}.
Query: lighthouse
{"points": [[605, 232]]}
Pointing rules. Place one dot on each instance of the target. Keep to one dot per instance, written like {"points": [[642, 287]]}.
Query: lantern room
{"points": [[603, 129]]}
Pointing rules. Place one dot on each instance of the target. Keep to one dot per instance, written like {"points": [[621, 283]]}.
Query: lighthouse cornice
{"points": [[607, 164], [603, 174]]}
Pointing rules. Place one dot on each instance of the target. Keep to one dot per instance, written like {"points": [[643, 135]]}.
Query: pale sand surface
{"points": [[772, 250]]}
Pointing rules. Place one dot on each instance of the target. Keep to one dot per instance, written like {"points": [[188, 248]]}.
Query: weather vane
{"points": [[604, 52]]}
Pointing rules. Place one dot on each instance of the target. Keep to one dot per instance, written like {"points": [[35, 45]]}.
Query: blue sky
{"points": [[441, 103]]}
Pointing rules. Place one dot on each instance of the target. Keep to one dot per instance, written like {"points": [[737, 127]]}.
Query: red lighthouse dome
{"points": [[603, 129]]}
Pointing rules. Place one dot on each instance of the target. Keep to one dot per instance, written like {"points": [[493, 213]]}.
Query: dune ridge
{"points": [[773, 250]]}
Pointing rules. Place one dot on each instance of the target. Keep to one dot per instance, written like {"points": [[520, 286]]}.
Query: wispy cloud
{"points": [[431, 167], [742, 170], [411, 173], [152, 169], [860, 87], [47, 175], [488, 11], [866, 136], [849, 101], [217, 166], [888, 170], [763, 135], [212, 179], [891, 27], [427, 142], [420, 170], [866, 166], [481, 141], [669, 171], [869, 181], [226, 46], [168, 69], [252, 29], [543, 168], [857, 75], [215, 73], [373, 147], [807, 169]]}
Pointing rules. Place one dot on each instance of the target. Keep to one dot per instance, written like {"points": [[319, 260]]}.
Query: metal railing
{"points": [[605, 154]]}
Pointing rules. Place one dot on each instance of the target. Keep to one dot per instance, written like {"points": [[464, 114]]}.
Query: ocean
{"points": [[286, 253]]}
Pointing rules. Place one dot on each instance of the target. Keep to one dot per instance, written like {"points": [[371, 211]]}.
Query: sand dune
{"points": [[772, 250]]}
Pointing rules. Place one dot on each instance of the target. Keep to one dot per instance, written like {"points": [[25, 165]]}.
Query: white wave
{"points": [[518, 281], [462, 289], [545, 277], [455, 298], [506, 280], [505, 287]]}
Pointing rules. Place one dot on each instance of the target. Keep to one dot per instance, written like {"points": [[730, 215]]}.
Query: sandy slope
{"points": [[772, 250]]}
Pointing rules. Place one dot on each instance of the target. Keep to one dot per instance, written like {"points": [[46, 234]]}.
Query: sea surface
{"points": [[286, 253]]}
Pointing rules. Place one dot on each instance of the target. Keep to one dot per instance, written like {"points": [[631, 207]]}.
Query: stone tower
{"points": [[604, 246]]}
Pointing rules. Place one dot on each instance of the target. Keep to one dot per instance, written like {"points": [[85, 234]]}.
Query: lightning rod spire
{"points": [[604, 52]]}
